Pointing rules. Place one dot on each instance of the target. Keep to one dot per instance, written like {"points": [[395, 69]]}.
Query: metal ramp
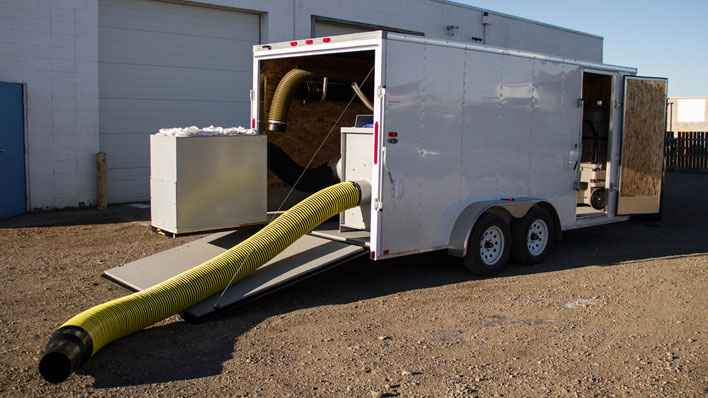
{"points": [[307, 256]]}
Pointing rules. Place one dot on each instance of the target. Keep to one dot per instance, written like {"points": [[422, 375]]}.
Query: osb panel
{"points": [[309, 123], [644, 120]]}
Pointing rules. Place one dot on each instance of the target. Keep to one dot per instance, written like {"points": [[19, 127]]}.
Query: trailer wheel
{"points": [[489, 245], [532, 236]]}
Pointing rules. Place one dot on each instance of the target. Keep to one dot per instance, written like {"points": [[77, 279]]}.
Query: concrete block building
{"points": [[102, 75], [687, 114]]}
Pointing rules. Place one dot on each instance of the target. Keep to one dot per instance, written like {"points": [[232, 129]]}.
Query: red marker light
{"points": [[376, 141], [293, 43], [326, 40], [385, 252], [309, 41], [393, 134], [373, 255], [253, 123]]}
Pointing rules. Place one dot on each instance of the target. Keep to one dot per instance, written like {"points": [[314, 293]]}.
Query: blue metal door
{"points": [[12, 151]]}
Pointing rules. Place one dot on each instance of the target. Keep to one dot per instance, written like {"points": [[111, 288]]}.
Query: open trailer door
{"points": [[643, 128]]}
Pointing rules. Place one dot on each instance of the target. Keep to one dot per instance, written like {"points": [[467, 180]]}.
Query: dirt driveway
{"points": [[617, 310]]}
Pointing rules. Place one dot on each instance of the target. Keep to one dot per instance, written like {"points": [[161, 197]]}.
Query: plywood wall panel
{"points": [[644, 122], [308, 123]]}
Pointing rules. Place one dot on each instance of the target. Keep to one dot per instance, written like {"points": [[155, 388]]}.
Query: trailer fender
{"points": [[507, 208]]}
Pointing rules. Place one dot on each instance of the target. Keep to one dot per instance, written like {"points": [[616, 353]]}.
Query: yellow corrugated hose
{"points": [[278, 115], [86, 333]]}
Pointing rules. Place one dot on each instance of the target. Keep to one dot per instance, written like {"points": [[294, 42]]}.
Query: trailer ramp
{"points": [[306, 257]]}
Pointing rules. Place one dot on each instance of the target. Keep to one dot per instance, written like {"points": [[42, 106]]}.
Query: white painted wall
{"points": [[687, 114], [52, 46]]}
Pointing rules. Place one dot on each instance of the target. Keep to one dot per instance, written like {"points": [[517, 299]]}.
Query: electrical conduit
{"points": [[86, 333]]}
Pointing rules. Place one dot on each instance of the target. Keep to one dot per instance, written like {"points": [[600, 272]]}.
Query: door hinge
{"points": [[380, 91], [581, 103], [378, 204], [618, 104], [252, 94]]}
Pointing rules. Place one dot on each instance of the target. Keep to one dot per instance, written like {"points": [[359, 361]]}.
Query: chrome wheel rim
{"points": [[491, 246], [537, 237]]}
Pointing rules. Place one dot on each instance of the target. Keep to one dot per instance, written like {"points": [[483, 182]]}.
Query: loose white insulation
{"points": [[194, 131]]}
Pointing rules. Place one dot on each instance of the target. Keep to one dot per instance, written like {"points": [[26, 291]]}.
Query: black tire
{"points": [[598, 199], [531, 236], [489, 246]]}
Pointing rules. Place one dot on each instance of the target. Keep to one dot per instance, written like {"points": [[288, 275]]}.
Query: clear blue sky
{"points": [[659, 38]]}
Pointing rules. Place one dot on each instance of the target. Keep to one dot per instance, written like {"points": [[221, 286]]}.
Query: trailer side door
{"points": [[643, 127]]}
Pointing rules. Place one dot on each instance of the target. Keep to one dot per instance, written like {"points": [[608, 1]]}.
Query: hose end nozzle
{"points": [[68, 350]]}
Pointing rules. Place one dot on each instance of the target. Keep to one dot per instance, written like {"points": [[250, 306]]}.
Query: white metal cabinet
{"points": [[202, 183], [356, 166]]}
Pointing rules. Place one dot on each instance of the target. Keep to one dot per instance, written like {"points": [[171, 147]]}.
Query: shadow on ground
{"points": [[138, 212], [181, 351]]}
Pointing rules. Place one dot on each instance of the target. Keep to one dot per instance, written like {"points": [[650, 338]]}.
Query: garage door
{"points": [[166, 65], [322, 29], [323, 26]]}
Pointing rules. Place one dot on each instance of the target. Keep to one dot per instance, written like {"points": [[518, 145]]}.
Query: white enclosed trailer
{"points": [[482, 151], [462, 130]]}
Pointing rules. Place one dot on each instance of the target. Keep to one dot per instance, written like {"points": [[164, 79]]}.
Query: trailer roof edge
{"points": [[508, 51], [348, 40]]}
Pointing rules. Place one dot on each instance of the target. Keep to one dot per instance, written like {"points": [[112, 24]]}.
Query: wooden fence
{"points": [[687, 150]]}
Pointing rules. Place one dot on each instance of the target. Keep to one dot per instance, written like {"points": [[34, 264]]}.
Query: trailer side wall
{"points": [[473, 126]]}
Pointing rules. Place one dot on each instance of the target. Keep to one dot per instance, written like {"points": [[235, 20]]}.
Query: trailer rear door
{"points": [[643, 127]]}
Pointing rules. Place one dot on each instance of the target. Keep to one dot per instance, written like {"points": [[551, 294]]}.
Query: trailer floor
{"points": [[614, 310]]}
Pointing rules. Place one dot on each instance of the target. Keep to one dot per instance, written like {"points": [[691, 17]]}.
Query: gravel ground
{"points": [[616, 310]]}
